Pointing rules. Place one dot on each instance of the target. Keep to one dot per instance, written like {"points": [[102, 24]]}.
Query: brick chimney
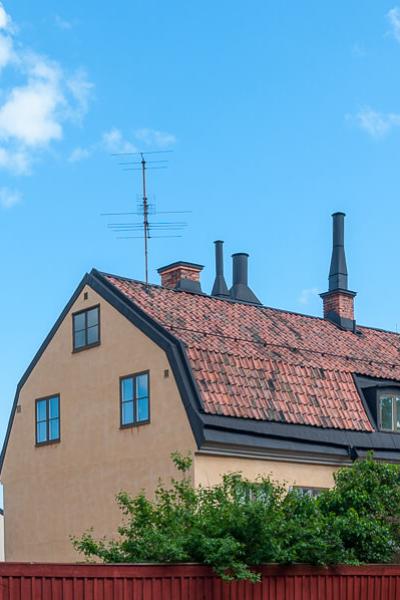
{"points": [[181, 276], [339, 300]]}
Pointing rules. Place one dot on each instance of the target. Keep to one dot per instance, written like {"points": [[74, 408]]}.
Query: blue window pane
{"points": [[93, 335], [142, 386], [387, 412], [79, 339], [397, 413], [93, 317], [41, 432], [79, 322], [53, 407], [54, 429], [143, 409], [127, 389], [127, 413], [41, 411]]}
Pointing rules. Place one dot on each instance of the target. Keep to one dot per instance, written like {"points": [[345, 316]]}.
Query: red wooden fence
{"points": [[23, 581]]}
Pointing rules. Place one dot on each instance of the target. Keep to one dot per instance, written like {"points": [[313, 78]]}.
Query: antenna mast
{"points": [[147, 228], [145, 220]]}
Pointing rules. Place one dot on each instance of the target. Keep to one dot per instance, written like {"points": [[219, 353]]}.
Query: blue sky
{"points": [[278, 114]]}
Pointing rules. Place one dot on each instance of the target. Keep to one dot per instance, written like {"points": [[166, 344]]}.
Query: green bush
{"points": [[238, 524]]}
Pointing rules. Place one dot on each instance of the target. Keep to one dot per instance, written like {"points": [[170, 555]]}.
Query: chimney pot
{"points": [[240, 289], [220, 289]]}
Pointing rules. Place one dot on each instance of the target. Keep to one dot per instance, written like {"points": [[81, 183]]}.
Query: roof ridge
{"points": [[214, 298], [231, 301]]}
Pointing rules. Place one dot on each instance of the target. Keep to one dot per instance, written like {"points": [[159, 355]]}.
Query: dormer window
{"points": [[389, 411]]}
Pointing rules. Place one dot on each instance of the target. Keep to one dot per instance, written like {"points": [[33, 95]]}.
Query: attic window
{"points": [[389, 411], [48, 420], [86, 328], [134, 399]]}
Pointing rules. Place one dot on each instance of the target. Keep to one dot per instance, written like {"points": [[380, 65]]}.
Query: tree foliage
{"points": [[238, 524]]}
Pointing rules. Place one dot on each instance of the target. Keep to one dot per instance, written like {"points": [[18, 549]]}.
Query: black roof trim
{"points": [[305, 434]]}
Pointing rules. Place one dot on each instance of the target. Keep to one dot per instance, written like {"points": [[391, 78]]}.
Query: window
{"points": [[312, 492], [389, 411], [48, 420], [86, 328], [134, 396]]}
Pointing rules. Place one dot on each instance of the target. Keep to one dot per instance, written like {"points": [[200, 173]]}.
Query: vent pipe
{"points": [[240, 289], [220, 289], [338, 270]]}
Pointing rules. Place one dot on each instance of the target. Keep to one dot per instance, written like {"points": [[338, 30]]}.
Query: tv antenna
{"points": [[145, 228]]}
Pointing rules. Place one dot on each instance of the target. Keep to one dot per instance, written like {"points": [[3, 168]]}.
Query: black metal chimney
{"points": [[339, 300], [338, 270], [220, 289], [240, 289]]}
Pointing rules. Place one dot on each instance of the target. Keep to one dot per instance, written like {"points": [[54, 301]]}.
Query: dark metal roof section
{"points": [[220, 289], [338, 270], [240, 289], [180, 263]]}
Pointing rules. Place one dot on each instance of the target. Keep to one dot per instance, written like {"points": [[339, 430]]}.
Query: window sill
{"points": [[389, 431], [49, 443], [76, 350], [135, 425]]}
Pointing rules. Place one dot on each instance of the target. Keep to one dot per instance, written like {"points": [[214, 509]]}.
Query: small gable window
{"points": [[134, 399], [48, 420], [389, 411], [86, 328]]}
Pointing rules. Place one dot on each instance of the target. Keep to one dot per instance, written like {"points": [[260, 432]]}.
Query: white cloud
{"points": [[6, 51], [113, 141], [358, 51], [376, 124], [34, 112], [9, 198], [394, 19], [81, 89], [17, 162], [5, 19], [307, 295], [79, 154], [29, 114], [62, 23], [154, 138]]}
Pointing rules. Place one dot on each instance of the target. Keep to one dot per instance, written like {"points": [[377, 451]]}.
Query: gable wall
{"points": [[53, 491]]}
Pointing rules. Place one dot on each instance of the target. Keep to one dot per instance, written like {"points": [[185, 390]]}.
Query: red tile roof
{"points": [[267, 364]]}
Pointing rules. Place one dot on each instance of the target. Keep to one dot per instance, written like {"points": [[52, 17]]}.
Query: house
{"points": [[132, 372]]}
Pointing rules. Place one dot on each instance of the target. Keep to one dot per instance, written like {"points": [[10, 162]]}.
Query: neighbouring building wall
{"points": [[208, 470], [1, 536], [53, 491]]}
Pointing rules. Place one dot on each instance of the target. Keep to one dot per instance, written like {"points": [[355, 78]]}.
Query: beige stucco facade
{"points": [[55, 491], [210, 468]]}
